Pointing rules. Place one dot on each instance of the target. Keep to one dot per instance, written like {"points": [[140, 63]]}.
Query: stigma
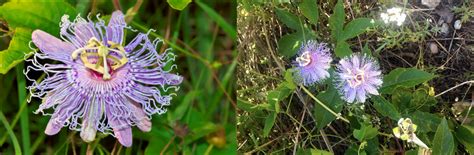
{"points": [[304, 59], [356, 79], [97, 57]]}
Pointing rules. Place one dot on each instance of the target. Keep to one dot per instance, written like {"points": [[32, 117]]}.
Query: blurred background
{"points": [[201, 118]]}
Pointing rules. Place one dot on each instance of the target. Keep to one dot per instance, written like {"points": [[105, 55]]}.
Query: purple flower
{"points": [[312, 63], [98, 82], [357, 76]]}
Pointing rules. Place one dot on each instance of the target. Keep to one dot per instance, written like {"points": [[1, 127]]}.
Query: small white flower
{"points": [[394, 15]]}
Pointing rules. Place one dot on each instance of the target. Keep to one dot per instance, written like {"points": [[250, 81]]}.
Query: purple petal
{"points": [[84, 31], [52, 46], [142, 121], [361, 96], [115, 27], [52, 128], [350, 95], [371, 89]]}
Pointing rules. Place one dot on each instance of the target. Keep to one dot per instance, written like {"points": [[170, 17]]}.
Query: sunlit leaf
{"points": [[16, 51], [37, 15], [178, 4], [23, 18]]}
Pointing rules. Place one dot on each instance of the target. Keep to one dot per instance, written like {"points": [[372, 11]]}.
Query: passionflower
{"points": [[357, 77], [97, 83], [312, 63], [406, 131]]}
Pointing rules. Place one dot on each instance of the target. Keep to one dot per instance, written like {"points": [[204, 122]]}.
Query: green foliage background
{"points": [[200, 119]]}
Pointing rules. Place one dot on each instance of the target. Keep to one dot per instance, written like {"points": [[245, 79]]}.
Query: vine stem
{"points": [[466, 82], [338, 116]]}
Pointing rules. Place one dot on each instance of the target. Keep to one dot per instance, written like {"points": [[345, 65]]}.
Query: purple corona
{"points": [[99, 82], [313, 62], [357, 77]]}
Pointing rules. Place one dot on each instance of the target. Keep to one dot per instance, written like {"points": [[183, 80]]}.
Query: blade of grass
{"points": [[16, 145], [229, 29], [24, 120], [18, 114]]}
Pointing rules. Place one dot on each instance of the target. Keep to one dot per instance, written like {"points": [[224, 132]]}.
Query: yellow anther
{"points": [[103, 56]]}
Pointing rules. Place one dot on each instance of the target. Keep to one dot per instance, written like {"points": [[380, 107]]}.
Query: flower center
{"points": [[304, 59], [103, 61], [356, 80]]}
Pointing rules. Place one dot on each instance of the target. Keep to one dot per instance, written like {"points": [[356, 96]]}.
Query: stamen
{"points": [[103, 54]]}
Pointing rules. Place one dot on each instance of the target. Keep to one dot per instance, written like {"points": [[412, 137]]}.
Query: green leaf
{"points": [[426, 122], [178, 4], [406, 77], [290, 83], [366, 49], [465, 135], [334, 102], [319, 152], [385, 108], [16, 51], [288, 18], [182, 108], [336, 20], [159, 137], [38, 15], [309, 9], [443, 142], [226, 26], [24, 17], [355, 28], [269, 122], [366, 132], [273, 98], [342, 49], [289, 44]]}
